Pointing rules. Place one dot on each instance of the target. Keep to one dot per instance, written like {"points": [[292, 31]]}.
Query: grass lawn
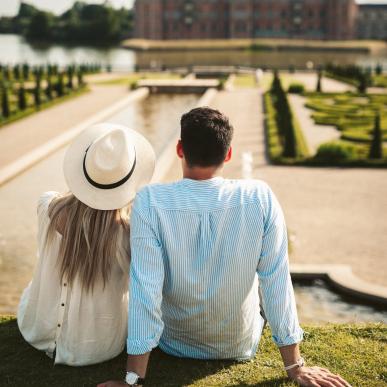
{"points": [[244, 80], [352, 114], [357, 352], [379, 80]]}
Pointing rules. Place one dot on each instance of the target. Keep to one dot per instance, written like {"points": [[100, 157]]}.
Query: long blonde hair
{"points": [[90, 240]]}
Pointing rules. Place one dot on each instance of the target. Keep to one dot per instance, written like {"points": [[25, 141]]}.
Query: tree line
{"points": [[89, 23]]}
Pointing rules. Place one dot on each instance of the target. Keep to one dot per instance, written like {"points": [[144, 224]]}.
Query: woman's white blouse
{"points": [[76, 327]]}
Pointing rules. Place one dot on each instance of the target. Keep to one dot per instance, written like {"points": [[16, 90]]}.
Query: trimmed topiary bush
{"points": [[376, 149], [336, 152], [296, 88], [5, 110], [22, 100]]}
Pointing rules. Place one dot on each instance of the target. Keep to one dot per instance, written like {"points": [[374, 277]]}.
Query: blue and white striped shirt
{"points": [[198, 250]]}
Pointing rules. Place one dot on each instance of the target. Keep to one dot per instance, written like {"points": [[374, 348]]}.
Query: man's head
{"points": [[206, 136]]}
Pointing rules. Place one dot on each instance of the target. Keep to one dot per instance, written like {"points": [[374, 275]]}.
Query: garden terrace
{"points": [[352, 114]]}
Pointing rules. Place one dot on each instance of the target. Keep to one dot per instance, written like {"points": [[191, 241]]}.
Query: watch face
{"points": [[131, 378]]}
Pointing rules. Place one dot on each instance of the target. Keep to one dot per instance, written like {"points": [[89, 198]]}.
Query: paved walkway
{"points": [[246, 115], [309, 80], [20, 137], [314, 134]]}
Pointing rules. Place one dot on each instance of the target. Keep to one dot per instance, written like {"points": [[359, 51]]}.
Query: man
{"points": [[199, 247]]}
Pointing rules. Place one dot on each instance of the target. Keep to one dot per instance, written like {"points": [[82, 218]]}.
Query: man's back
{"points": [[205, 240]]}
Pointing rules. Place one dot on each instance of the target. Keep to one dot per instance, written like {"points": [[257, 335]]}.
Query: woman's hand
{"points": [[316, 377]]}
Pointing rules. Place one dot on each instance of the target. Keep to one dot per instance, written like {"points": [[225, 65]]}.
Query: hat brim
{"points": [[107, 199]]}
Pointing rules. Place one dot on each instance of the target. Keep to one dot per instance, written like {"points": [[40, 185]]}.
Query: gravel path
{"points": [[309, 80], [314, 134]]}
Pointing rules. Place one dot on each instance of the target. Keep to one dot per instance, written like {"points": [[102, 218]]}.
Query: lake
{"points": [[15, 49]]}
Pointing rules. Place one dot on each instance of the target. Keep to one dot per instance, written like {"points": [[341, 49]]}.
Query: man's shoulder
{"points": [[161, 194], [253, 188], [154, 193]]}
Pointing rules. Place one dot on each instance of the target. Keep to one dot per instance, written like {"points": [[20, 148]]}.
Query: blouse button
{"points": [[62, 304], [64, 284], [58, 325]]}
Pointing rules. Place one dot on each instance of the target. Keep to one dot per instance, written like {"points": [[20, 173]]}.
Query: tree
{"points": [[40, 26], [48, 90], [22, 101], [70, 74], [16, 72], [376, 149], [318, 87], [284, 118], [80, 78], [363, 83], [26, 71], [5, 102], [59, 86], [37, 97]]}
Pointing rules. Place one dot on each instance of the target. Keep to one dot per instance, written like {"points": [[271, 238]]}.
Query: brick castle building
{"points": [[224, 19], [372, 21]]}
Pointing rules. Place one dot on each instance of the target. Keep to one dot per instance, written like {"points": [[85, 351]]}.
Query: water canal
{"points": [[15, 49]]}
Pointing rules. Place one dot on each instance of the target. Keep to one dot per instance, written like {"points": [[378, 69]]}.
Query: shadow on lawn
{"points": [[21, 363]]}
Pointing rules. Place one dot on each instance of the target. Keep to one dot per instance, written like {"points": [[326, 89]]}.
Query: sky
{"points": [[10, 7]]}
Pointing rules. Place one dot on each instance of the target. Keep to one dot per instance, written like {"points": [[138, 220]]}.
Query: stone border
{"points": [[14, 169], [343, 280], [168, 154]]}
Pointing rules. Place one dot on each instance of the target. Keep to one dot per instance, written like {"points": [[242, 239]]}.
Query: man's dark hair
{"points": [[206, 136]]}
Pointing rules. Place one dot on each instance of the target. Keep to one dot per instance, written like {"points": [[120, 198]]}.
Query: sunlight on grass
{"points": [[357, 352], [244, 81]]}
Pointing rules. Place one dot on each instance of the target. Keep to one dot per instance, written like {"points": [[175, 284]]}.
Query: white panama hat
{"points": [[107, 164]]}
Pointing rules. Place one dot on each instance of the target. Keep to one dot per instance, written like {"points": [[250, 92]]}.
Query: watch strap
{"points": [[140, 382], [300, 363]]}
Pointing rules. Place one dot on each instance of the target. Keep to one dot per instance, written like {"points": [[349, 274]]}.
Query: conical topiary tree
{"points": [[376, 149], [48, 89], [22, 101], [37, 89], [284, 118], [59, 86], [70, 74], [363, 83], [5, 102], [37, 97], [26, 71], [16, 72], [318, 87], [80, 78]]}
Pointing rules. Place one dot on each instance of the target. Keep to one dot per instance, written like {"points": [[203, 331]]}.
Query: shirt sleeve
{"points": [[274, 277], [145, 324]]}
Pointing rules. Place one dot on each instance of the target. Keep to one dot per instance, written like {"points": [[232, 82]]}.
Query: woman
{"points": [[75, 308]]}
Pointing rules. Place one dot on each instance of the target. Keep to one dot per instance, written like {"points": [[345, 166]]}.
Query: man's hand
{"points": [[316, 377], [112, 383]]}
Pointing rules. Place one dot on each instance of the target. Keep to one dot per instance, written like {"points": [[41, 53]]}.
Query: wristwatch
{"points": [[132, 379], [300, 363]]}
